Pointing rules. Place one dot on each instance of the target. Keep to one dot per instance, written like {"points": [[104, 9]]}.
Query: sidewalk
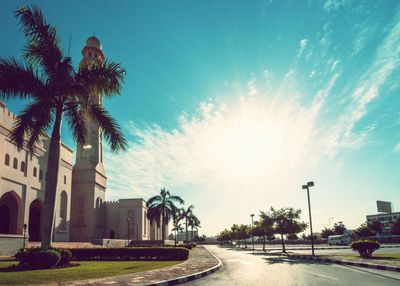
{"points": [[200, 263]]}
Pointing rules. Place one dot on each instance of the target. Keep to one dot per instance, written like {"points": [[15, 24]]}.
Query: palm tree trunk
{"points": [[283, 244], [187, 234], [51, 179]]}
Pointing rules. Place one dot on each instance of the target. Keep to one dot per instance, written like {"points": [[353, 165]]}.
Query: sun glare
{"points": [[249, 145]]}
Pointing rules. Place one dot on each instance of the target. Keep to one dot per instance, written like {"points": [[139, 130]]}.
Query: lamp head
{"points": [[310, 184], [304, 187], [252, 215]]}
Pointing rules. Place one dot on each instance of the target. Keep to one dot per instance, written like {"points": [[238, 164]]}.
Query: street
{"points": [[245, 268]]}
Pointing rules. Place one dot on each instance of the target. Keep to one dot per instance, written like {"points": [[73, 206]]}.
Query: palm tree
{"points": [[186, 213], [55, 90], [176, 218], [193, 222], [162, 207], [177, 228]]}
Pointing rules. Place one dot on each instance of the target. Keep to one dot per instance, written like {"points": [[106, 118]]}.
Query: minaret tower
{"points": [[88, 177]]}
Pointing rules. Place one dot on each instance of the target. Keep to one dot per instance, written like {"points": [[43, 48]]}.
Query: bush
{"points": [[37, 257], [48, 259], [128, 253], [365, 247], [65, 258]]}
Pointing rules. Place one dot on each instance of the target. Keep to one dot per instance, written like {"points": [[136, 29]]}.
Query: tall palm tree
{"points": [[186, 213], [56, 90], [162, 207], [193, 222]]}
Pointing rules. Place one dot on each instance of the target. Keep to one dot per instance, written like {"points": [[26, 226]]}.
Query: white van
{"points": [[339, 239]]}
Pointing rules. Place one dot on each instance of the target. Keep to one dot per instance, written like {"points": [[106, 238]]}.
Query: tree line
{"points": [[284, 222]]}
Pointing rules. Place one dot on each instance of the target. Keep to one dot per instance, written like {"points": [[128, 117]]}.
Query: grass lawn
{"points": [[86, 270], [377, 258]]}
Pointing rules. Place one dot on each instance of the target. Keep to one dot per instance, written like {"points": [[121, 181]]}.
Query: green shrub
{"points": [[37, 257], [365, 247], [48, 259], [128, 253], [65, 258], [28, 257]]}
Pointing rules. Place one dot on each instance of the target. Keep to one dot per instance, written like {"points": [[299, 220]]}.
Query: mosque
{"points": [[81, 212]]}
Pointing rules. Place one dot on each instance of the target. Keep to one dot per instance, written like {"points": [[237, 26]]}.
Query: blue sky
{"points": [[235, 104]]}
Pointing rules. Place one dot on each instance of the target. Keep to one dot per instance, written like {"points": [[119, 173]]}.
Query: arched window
{"points": [[65, 180], [63, 210], [22, 166], [34, 171], [15, 163], [40, 175], [7, 160]]}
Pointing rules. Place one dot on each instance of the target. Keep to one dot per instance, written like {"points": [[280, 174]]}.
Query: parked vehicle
{"points": [[339, 239]]}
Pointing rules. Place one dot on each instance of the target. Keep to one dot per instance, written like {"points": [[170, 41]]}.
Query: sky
{"points": [[234, 105]]}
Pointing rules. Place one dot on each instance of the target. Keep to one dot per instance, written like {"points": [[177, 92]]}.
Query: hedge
{"points": [[43, 258], [365, 247], [142, 253]]}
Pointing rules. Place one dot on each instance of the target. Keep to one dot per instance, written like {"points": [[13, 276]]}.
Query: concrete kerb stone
{"points": [[191, 277], [346, 262]]}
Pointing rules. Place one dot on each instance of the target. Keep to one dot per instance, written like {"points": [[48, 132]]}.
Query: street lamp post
{"points": [[128, 220], [307, 187], [252, 227], [331, 218], [23, 244]]}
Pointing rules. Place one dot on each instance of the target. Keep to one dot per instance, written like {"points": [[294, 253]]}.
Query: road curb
{"points": [[191, 277], [347, 262]]}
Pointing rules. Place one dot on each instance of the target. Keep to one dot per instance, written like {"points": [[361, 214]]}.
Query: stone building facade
{"points": [[81, 212]]}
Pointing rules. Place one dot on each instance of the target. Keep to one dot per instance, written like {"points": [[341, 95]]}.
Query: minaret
{"points": [[88, 178]]}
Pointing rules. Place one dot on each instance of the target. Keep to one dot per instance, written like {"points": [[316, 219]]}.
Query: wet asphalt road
{"points": [[245, 268]]}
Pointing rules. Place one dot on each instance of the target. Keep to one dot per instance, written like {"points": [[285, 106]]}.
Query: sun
{"points": [[249, 145]]}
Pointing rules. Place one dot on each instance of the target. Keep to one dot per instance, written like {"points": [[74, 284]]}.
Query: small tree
{"points": [[235, 234], [326, 232], [292, 237], [286, 221], [376, 226], [364, 231], [339, 228], [395, 229], [244, 233], [267, 226], [225, 236]]}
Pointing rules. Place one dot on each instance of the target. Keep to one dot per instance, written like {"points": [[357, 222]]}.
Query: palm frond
{"points": [[32, 124], [106, 77], [19, 80], [153, 200], [43, 46], [76, 121], [177, 199], [112, 132]]}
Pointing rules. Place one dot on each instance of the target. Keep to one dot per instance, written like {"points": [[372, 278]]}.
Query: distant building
{"points": [[181, 236], [385, 219]]}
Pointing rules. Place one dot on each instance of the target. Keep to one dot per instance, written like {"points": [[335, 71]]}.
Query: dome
{"points": [[93, 42]]}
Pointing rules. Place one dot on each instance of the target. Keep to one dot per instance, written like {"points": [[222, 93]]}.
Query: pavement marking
{"points": [[321, 275]]}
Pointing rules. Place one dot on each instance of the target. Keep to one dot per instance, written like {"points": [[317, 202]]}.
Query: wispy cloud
{"points": [[397, 148], [302, 46]]}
